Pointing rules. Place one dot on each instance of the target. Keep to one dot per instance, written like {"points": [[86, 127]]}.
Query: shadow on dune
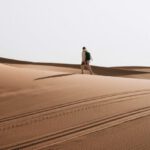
{"points": [[115, 71], [54, 76]]}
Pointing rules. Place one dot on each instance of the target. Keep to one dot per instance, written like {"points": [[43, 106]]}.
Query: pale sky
{"points": [[116, 32]]}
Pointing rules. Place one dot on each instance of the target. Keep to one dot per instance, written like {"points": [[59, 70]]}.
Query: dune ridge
{"points": [[106, 71]]}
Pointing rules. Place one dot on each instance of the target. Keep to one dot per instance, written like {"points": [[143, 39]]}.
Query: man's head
{"points": [[84, 48]]}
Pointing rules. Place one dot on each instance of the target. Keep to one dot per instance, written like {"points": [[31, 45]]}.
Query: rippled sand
{"points": [[55, 107]]}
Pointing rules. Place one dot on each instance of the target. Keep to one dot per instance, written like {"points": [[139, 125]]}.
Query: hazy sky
{"points": [[117, 32]]}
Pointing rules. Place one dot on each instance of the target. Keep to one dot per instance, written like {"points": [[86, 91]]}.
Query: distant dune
{"points": [[144, 75], [54, 107]]}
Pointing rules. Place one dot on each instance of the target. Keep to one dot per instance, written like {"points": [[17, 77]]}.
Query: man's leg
{"points": [[89, 68], [82, 68]]}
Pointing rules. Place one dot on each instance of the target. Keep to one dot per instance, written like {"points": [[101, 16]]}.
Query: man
{"points": [[86, 57]]}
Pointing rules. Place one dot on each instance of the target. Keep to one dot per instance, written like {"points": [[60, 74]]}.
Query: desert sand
{"points": [[54, 107]]}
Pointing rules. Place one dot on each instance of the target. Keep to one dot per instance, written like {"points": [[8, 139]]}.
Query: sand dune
{"points": [[55, 107]]}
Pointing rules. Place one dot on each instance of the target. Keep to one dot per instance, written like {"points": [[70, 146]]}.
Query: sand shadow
{"points": [[54, 76], [115, 71]]}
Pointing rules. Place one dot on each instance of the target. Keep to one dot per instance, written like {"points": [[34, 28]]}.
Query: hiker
{"points": [[86, 57]]}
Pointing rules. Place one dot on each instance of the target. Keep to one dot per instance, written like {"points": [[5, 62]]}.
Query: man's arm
{"points": [[83, 56]]}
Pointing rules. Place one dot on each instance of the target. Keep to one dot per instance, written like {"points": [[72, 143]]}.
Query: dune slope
{"points": [[49, 107]]}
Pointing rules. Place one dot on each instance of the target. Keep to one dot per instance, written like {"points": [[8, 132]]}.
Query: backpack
{"points": [[88, 55]]}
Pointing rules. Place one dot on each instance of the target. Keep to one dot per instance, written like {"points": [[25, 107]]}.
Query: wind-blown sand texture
{"points": [[53, 106]]}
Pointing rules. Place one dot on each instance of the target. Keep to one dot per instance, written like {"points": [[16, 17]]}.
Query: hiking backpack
{"points": [[88, 55]]}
